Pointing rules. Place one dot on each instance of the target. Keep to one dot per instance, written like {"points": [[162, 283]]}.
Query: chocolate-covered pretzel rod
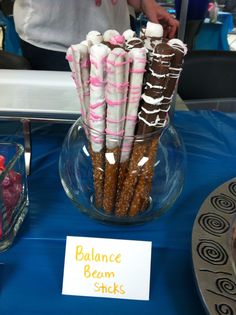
{"points": [[156, 83], [175, 69], [152, 36], [134, 42], [143, 189], [149, 119]]}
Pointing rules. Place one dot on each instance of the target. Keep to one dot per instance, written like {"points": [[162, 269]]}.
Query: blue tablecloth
{"points": [[213, 36], [31, 270], [11, 38]]}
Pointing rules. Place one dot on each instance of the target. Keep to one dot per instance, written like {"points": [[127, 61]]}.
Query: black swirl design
{"points": [[226, 285], [213, 224], [232, 188], [224, 309], [212, 252], [224, 203], [216, 272]]}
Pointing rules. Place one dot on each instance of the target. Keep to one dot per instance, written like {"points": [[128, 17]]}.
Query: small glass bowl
{"points": [[152, 178], [13, 192]]}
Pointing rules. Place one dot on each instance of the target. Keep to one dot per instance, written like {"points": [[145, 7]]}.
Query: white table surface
{"points": [[38, 94], [42, 94]]}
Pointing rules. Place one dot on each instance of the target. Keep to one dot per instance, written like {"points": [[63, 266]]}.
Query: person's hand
{"points": [[99, 2], [157, 14]]}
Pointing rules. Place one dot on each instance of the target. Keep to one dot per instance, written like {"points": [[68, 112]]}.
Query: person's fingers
{"points": [[98, 2], [170, 26], [165, 33], [173, 27]]}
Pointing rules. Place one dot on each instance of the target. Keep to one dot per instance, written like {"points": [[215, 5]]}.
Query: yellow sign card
{"points": [[111, 268]]}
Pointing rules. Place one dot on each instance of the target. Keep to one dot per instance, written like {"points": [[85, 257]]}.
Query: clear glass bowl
{"points": [[152, 179], [13, 192]]}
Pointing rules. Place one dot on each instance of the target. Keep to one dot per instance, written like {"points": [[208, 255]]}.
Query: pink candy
{"points": [[11, 189], [117, 40]]}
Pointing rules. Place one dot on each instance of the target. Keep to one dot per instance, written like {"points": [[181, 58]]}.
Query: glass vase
{"points": [[124, 180], [13, 192]]}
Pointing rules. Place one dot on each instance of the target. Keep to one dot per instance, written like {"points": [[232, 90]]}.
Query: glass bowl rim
{"points": [[149, 135]]}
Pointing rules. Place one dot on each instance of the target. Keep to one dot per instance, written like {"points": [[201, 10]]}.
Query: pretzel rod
{"points": [[133, 42], [113, 39], [84, 64], [142, 191], [116, 97], [150, 116], [97, 112], [152, 36], [137, 69], [128, 34], [97, 106], [149, 119], [131, 179], [72, 56], [156, 86], [94, 37], [175, 69]]}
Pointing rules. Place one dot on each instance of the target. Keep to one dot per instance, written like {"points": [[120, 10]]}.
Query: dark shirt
{"points": [[197, 9]]}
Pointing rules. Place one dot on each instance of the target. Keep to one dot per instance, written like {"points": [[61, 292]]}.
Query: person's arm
{"points": [[156, 14]]}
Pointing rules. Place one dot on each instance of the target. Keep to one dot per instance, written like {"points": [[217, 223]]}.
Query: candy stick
{"points": [[180, 50], [141, 199], [94, 37], [72, 55], [136, 163], [107, 35], [78, 57], [150, 116], [97, 111], [137, 69], [85, 72], [113, 39], [134, 42], [149, 120], [128, 34], [141, 196], [116, 97], [152, 36]]}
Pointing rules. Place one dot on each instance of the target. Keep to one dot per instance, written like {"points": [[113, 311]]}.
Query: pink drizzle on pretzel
{"points": [[96, 117], [85, 63], [116, 103], [113, 133], [69, 57], [95, 81], [117, 40], [97, 105]]}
